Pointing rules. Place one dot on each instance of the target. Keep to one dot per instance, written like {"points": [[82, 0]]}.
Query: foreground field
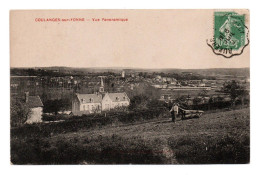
{"points": [[221, 137]]}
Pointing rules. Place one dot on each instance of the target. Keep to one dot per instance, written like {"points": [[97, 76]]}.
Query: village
{"points": [[104, 91]]}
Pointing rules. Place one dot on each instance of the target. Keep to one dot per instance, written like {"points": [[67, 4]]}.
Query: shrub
{"points": [[54, 117], [86, 122], [201, 150], [20, 112], [102, 150]]}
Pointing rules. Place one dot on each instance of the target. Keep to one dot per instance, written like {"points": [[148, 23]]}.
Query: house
{"points": [[91, 103], [202, 85], [157, 85], [113, 100], [164, 79], [166, 98], [86, 103], [36, 107]]}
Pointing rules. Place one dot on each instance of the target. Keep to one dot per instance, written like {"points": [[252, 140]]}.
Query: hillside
{"points": [[211, 125], [221, 137]]}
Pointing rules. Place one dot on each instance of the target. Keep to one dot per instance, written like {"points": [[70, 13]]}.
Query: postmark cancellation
{"points": [[231, 35]]}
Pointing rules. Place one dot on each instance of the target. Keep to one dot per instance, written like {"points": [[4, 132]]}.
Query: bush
{"points": [[53, 106], [103, 150], [202, 150], [54, 117], [212, 105], [74, 124], [19, 112]]}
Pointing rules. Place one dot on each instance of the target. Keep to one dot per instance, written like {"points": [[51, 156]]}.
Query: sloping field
{"points": [[221, 137], [210, 125]]}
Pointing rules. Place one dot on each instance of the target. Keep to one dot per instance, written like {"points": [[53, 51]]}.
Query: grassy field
{"points": [[192, 93], [221, 137]]}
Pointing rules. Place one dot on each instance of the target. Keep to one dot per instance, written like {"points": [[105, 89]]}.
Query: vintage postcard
{"points": [[130, 86]]}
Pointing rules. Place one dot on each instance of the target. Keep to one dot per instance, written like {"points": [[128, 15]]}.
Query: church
{"points": [[98, 102]]}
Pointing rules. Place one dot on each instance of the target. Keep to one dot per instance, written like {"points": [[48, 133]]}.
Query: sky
{"points": [[149, 39]]}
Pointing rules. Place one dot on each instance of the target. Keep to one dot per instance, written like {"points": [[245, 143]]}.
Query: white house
{"points": [[113, 100], [36, 107], [86, 103], [90, 103]]}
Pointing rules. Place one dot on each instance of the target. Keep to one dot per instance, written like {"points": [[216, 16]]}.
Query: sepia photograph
{"points": [[141, 87]]}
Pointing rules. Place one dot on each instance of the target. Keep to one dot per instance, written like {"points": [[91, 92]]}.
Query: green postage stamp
{"points": [[230, 34]]}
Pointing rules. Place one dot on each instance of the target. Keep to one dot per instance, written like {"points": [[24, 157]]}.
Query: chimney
{"points": [[26, 97]]}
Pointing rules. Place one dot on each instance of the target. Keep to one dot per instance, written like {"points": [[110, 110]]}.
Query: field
{"points": [[219, 137], [192, 93]]}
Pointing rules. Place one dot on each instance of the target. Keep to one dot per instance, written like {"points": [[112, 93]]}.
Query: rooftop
{"points": [[118, 96], [34, 101], [89, 98]]}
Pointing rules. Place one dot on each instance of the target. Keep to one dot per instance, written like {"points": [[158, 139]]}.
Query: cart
{"points": [[188, 114]]}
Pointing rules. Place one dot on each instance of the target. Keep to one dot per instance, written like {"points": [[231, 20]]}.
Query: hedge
{"points": [[88, 122]]}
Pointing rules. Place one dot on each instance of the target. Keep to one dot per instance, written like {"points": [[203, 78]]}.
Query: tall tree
{"points": [[19, 112], [235, 90]]}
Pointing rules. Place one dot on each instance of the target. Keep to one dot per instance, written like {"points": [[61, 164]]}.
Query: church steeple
{"points": [[102, 83]]}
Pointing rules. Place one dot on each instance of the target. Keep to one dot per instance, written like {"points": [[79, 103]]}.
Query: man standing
{"points": [[174, 111]]}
